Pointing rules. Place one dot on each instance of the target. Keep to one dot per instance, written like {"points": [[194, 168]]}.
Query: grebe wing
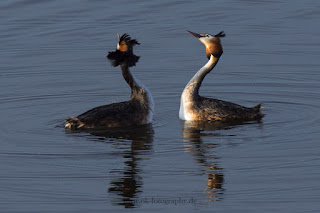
{"points": [[115, 114], [228, 110], [104, 110]]}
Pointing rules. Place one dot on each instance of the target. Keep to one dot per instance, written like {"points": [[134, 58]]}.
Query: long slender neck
{"points": [[139, 92], [127, 75], [130, 79], [194, 84]]}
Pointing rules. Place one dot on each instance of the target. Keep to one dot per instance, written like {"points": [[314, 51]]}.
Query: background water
{"points": [[53, 65]]}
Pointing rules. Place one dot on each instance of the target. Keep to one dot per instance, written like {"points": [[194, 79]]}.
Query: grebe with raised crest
{"points": [[137, 111], [195, 107]]}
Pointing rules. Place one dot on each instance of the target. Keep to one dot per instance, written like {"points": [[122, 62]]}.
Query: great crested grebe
{"points": [[195, 107], [137, 111]]}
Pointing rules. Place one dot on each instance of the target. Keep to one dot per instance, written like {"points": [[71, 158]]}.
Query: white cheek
{"points": [[203, 40], [206, 40], [117, 46]]}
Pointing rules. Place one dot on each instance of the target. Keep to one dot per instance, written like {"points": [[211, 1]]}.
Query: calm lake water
{"points": [[53, 65]]}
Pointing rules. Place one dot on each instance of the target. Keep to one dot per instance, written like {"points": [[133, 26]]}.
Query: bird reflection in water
{"points": [[128, 182], [193, 133]]}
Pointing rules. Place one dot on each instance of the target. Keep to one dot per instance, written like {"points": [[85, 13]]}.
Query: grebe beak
{"points": [[194, 34]]}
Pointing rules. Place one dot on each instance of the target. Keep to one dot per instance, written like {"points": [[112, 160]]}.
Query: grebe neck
{"points": [[190, 93], [194, 84], [139, 91], [129, 77], [135, 85]]}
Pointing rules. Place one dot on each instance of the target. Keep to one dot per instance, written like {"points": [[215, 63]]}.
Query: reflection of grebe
{"points": [[137, 111], [204, 154], [195, 107]]}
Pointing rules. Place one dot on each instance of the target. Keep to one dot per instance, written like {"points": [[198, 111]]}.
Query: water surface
{"points": [[53, 65]]}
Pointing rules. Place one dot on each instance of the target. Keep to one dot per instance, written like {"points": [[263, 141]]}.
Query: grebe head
{"points": [[124, 53], [125, 43], [212, 43]]}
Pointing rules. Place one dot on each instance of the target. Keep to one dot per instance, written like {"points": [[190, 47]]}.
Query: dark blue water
{"points": [[53, 65]]}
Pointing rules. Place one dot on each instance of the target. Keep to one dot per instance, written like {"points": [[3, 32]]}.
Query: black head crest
{"points": [[221, 34], [127, 39]]}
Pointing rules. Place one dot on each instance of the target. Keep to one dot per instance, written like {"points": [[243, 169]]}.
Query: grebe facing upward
{"points": [[137, 111], [195, 107]]}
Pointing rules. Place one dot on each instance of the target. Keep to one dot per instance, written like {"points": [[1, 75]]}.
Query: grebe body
{"points": [[137, 111], [195, 107]]}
